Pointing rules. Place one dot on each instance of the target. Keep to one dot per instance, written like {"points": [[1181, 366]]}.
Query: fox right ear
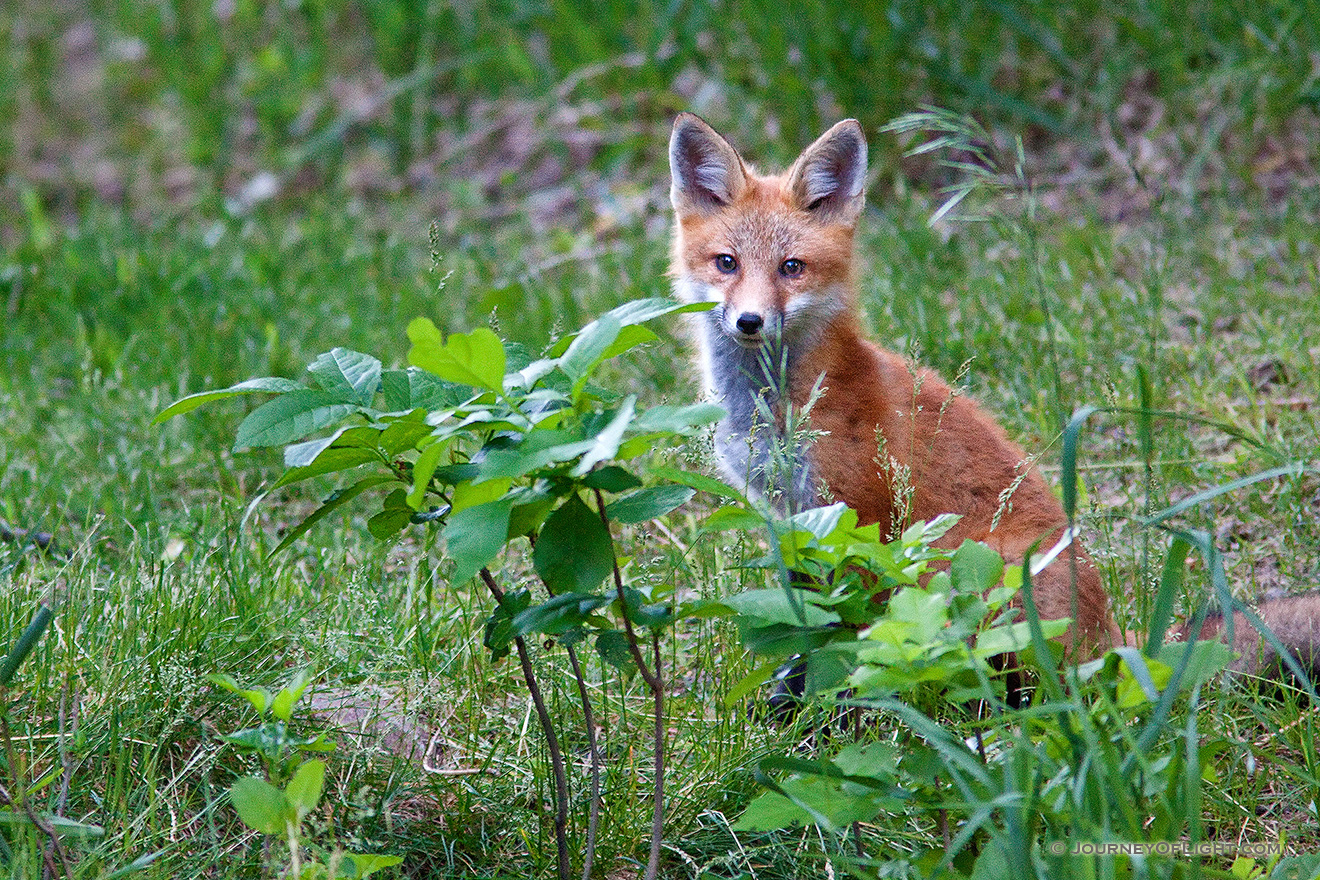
{"points": [[706, 171], [829, 178]]}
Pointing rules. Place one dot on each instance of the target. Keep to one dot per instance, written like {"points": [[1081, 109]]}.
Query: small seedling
{"points": [[277, 804]]}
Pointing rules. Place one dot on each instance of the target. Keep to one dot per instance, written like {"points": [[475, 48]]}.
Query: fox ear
{"points": [[707, 173], [829, 177]]}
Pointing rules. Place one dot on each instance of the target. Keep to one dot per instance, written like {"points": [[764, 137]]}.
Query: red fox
{"points": [[775, 255]]}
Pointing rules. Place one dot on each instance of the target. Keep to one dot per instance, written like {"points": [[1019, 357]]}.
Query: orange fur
{"points": [[956, 458], [775, 254]]}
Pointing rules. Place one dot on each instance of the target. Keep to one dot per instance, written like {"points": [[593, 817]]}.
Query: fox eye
{"points": [[726, 263], [791, 268]]}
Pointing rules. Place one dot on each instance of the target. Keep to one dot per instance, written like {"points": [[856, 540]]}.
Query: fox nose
{"points": [[749, 323]]}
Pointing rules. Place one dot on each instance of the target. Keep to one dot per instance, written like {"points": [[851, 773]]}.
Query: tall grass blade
{"points": [[27, 640]]}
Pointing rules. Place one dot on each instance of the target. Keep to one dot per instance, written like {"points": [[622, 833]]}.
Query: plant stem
{"points": [[593, 819], [589, 719], [295, 858], [657, 686], [658, 816], [551, 740]]}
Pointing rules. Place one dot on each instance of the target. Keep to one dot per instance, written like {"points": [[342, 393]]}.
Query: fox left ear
{"points": [[829, 177], [707, 173]]}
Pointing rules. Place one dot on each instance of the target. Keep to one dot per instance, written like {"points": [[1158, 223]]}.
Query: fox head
{"points": [[775, 252]]}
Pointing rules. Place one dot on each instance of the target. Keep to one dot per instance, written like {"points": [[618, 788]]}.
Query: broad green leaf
{"points": [[251, 386], [612, 646], [337, 499], [273, 738], [540, 448], [926, 532], [396, 390], [831, 801], [639, 311], [260, 805], [359, 437], [281, 706], [643, 612], [677, 419], [259, 698], [319, 743], [733, 517], [648, 503], [423, 470], [417, 389], [328, 461], [975, 568], [594, 346], [588, 348], [700, 482], [347, 437], [560, 614], [628, 339], [472, 494], [303, 454], [703, 609], [546, 407], [534, 372], [573, 552], [879, 760], [304, 789], [476, 535], [499, 634], [350, 375], [775, 606], [1140, 679], [403, 435], [479, 419], [993, 862], [1208, 659], [291, 417], [606, 444], [821, 521], [393, 518], [927, 612], [475, 358], [1014, 637], [1294, 867], [531, 505], [456, 474], [636, 311], [771, 811], [611, 478], [359, 865]]}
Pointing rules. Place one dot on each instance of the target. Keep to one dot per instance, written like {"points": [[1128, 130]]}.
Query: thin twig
{"points": [[657, 686], [551, 740], [658, 816], [652, 681], [588, 718]]}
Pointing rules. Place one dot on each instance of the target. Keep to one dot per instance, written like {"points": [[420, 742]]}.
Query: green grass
{"points": [[122, 292]]}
